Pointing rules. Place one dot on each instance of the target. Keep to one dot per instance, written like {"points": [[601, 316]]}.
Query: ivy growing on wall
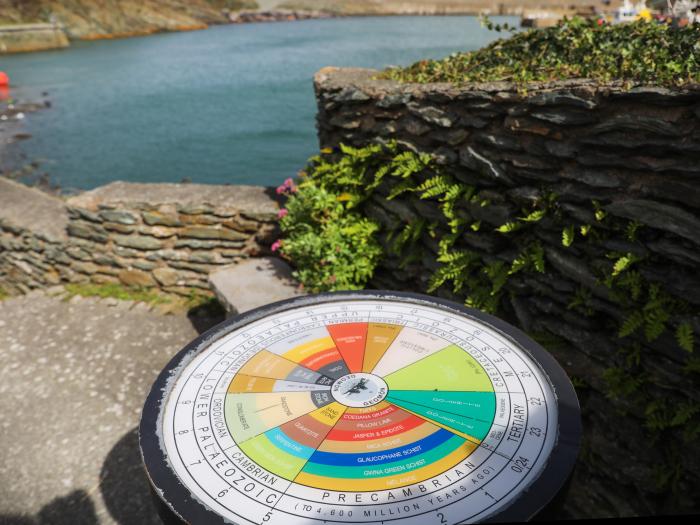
{"points": [[645, 52]]}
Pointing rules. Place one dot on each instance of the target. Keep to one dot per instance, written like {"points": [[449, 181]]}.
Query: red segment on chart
{"points": [[350, 339], [382, 410], [321, 359], [390, 429]]}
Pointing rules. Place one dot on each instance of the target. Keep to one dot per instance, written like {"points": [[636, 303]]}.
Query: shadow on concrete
{"points": [[206, 316], [74, 509], [124, 486]]}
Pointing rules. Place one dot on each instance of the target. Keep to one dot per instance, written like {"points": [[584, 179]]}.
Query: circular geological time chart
{"points": [[365, 407]]}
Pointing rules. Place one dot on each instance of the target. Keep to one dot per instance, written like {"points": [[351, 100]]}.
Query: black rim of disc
{"points": [[533, 498]]}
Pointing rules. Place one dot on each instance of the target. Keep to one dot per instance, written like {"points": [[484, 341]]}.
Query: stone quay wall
{"points": [[31, 37], [604, 154], [167, 236]]}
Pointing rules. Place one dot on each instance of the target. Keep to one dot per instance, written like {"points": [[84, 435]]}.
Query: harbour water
{"points": [[231, 104]]}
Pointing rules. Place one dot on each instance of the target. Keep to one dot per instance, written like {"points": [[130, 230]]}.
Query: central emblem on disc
{"points": [[359, 390]]}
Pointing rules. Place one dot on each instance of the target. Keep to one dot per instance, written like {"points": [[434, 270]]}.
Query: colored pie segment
{"points": [[468, 413], [451, 368], [350, 339], [379, 339], [313, 349], [250, 414], [244, 383], [285, 414], [285, 450], [267, 364], [409, 346], [382, 447]]}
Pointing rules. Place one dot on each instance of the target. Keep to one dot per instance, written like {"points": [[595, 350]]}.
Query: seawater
{"points": [[231, 104]]}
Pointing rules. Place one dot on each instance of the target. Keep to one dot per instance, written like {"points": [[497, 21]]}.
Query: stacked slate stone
{"points": [[147, 242], [28, 260], [631, 154]]}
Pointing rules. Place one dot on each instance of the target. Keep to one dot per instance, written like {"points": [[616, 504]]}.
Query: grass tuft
{"points": [[116, 291], [196, 299]]}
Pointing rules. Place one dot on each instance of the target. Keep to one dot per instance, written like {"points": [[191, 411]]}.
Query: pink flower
{"points": [[287, 186], [282, 213], [276, 245]]}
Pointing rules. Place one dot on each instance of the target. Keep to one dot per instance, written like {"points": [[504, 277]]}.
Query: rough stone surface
{"points": [[130, 232], [33, 210], [204, 232], [253, 283], [136, 278], [75, 376], [137, 242], [20, 38], [660, 216], [254, 199]]}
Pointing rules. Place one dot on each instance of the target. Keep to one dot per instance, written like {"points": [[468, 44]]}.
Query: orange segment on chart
{"points": [[379, 338], [267, 364], [250, 384], [350, 339], [314, 349]]}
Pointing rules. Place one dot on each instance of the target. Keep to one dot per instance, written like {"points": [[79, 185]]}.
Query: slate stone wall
{"points": [[607, 155], [167, 236]]}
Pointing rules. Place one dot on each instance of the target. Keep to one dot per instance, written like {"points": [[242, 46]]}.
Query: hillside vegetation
{"points": [[85, 19], [99, 18], [644, 52]]}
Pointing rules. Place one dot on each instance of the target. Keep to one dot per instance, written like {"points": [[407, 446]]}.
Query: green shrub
{"points": [[333, 248], [331, 243], [642, 52]]}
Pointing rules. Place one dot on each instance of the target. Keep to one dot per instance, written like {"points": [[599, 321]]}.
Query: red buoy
{"points": [[4, 79]]}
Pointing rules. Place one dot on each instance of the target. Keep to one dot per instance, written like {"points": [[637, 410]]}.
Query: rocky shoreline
{"points": [[281, 15], [13, 163]]}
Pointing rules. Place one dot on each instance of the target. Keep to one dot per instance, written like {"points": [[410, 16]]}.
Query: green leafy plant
{"points": [[567, 236], [332, 247], [685, 336], [638, 52], [621, 383], [623, 263]]}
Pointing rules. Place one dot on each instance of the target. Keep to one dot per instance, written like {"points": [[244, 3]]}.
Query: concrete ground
{"points": [[73, 378]]}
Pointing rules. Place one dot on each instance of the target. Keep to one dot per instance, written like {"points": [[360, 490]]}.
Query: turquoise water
{"points": [[232, 104]]}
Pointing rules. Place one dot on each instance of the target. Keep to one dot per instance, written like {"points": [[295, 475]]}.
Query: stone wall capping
{"points": [[31, 209], [331, 81], [253, 199]]}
